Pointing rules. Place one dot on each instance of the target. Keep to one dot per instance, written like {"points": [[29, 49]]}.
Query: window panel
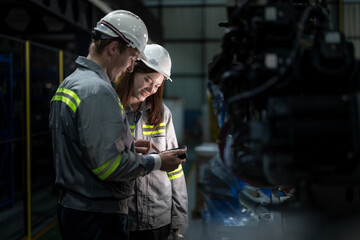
{"points": [[185, 57], [189, 89], [215, 15], [182, 23]]}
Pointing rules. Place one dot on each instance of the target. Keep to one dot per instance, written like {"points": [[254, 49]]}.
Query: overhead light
{"points": [[102, 6]]}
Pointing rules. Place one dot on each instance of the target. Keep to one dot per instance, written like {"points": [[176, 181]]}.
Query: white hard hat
{"points": [[158, 58], [126, 25]]}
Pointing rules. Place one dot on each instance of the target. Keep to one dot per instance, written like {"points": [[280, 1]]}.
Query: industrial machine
{"points": [[285, 90]]}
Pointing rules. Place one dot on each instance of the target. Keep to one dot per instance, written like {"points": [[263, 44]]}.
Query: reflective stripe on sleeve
{"points": [[107, 168], [176, 173], [150, 129], [153, 132], [152, 126], [67, 96], [121, 106]]}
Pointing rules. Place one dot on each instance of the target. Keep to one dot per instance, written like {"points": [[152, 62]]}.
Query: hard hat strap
{"points": [[115, 30]]}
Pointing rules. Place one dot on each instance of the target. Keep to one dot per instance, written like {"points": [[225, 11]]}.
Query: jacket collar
{"points": [[144, 106], [87, 63]]}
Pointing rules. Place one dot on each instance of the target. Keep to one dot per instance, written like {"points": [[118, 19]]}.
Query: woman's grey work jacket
{"points": [[92, 144], [160, 197]]}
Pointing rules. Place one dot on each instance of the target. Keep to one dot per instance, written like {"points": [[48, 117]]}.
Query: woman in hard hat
{"points": [[159, 206]]}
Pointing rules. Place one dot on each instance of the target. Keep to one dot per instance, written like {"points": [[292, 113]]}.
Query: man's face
{"points": [[123, 62]]}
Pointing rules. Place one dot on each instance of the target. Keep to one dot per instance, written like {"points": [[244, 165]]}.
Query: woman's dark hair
{"points": [[125, 85]]}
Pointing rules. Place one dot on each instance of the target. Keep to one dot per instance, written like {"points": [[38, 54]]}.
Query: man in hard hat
{"points": [[93, 149], [159, 208]]}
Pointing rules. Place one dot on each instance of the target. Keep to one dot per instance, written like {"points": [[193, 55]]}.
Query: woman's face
{"points": [[145, 85]]}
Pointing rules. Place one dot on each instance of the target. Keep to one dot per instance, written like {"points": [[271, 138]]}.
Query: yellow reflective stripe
{"points": [[66, 100], [99, 171], [178, 169], [153, 132], [121, 106], [70, 93], [69, 100], [176, 175], [152, 126], [149, 129], [132, 127]]}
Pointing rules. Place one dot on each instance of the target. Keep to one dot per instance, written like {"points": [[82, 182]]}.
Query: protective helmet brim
{"points": [[142, 56], [156, 69]]}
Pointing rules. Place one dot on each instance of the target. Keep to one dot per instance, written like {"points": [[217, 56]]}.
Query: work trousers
{"points": [[83, 225], [161, 233]]}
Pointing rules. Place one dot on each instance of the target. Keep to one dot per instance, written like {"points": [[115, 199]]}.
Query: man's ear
{"points": [[113, 48]]}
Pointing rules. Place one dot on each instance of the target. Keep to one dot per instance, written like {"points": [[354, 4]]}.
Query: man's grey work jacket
{"points": [[161, 197], [92, 144]]}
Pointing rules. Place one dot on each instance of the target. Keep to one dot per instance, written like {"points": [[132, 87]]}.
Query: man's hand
{"points": [[144, 146], [170, 160], [175, 234]]}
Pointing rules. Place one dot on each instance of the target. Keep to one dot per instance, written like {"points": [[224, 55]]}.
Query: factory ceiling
{"points": [[66, 24]]}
